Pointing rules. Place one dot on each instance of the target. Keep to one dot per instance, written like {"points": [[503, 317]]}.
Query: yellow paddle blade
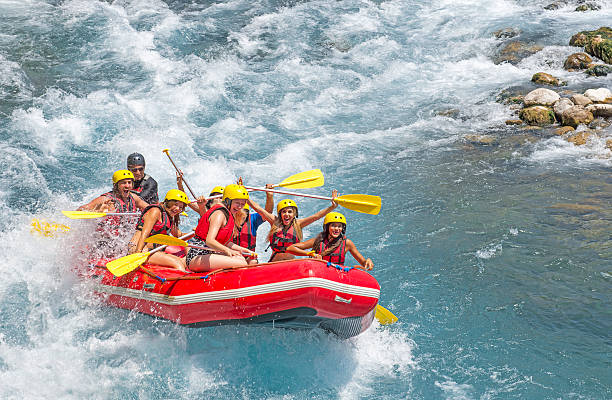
{"points": [[48, 229], [384, 316], [167, 240], [363, 203], [123, 265], [83, 214], [303, 180]]}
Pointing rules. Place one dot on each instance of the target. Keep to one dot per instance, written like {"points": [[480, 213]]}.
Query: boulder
{"points": [[581, 100], [609, 144], [482, 140], [563, 130], [600, 95], [575, 116], [513, 52], [542, 97], [577, 61], [514, 122], [599, 70], [562, 105], [580, 138], [506, 33], [600, 110], [588, 7], [545, 79], [597, 43], [537, 115], [555, 5], [600, 123]]}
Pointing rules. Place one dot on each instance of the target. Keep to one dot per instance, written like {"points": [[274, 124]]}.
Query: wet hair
{"points": [[333, 245]]}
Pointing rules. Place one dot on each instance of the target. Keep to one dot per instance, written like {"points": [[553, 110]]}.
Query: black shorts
{"points": [[193, 253]]}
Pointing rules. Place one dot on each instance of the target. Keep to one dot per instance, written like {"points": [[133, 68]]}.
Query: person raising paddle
{"points": [[160, 219], [286, 227], [215, 231], [331, 244]]}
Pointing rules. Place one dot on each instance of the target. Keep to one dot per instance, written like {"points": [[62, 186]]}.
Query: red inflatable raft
{"points": [[302, 293]]}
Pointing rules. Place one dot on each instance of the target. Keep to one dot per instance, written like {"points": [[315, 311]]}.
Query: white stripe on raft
{"points": [[242, 292]]}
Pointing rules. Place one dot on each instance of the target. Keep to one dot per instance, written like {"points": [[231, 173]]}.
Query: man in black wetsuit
{"points": [[144, 185]]}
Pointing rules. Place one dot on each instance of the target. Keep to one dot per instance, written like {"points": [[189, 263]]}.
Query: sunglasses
{"points": [[136, 169]]}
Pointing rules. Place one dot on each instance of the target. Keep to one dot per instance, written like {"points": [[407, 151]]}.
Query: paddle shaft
{"points": [[312, 196], [178, 171], [155, 250]]}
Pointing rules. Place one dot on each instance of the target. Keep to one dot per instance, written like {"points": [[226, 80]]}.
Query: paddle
{"points": [[363, 203], [384, 316], [303, 180], [178, 171], [44, 228], [92, 214], [123, 265]]}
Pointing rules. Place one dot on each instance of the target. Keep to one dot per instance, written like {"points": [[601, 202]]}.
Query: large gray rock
{"points": [[581, 100], [541, 97], [598, 95], [562, 105], [600, 110], [575, 116]]}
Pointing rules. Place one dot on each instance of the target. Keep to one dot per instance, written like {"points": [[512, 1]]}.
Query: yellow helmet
{"points": [[122, 174], [284, 204], [334, 217], [235, 192], [175, 194], [216, 189]]}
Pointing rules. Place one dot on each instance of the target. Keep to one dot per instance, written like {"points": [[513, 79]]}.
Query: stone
{"points": [[514, 122], [597, 43], [483, 140], [545, 79], [537, 115], [542, 97], [562, 105], [563, 130], [600, 123], [506, 33], [514, 51], [600, 110], [577, 61], [575, 116], [598, 95], [599, 70], [588, 7], [609, 144], [581, 138], [581, 100]]}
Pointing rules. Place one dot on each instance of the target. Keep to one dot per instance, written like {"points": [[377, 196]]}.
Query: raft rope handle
{"points": [[339, 267]]}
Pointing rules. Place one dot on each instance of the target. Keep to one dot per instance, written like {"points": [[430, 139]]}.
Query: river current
{"points": [[495, 256]]}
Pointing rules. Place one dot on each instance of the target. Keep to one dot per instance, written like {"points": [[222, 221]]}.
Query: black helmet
{"points": [[135, 159]]}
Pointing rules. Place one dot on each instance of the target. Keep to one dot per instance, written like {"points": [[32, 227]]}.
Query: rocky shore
{"points": [[578, 115]]}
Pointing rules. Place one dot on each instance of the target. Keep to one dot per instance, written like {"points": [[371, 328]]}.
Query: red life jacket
{"points": [[162, 227], [337, 256], [282, 239], [111, 224], [245, 238], [225, 233]]}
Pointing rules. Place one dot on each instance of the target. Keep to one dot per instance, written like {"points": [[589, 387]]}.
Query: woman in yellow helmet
{"points": [[212, 246], [161, 219], [287, 227], [331, 244], [120, 199]]}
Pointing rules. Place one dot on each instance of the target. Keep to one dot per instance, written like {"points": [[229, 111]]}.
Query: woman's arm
{"points": [[149, 219], [269, 199], [217, 220], [264, 214], [320, 214], [299, 249], [365, 262]]}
